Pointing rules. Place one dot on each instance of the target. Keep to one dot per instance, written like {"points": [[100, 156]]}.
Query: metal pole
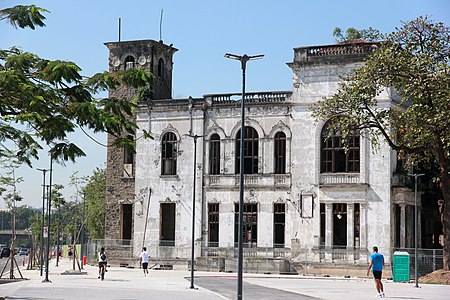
{"points": [[241, 186], [82, 233], [58, 233], [416, 262], [243, 59], [49, 206], [193, 214], [43, 215]]}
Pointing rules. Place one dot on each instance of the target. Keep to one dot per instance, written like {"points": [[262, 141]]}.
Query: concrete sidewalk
{"points": [[123, 283]]}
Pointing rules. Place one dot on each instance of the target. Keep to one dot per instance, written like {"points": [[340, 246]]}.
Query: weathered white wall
{"points": [[303, 163]]}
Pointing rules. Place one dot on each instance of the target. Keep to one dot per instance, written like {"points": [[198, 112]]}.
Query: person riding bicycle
{"points": [[101, 261]]}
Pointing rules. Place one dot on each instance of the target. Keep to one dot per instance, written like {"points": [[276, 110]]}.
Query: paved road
{"points": [[227, 287], [123, 283]]}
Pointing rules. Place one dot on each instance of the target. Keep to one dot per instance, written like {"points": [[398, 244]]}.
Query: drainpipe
{"points": [[204, 159]]}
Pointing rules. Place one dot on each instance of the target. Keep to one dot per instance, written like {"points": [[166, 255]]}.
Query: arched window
{"points": [[161, 68], [280, 153], [214, 154], [251, 143], [335, 158], [128, 152], [129, 62], [169, 154]]}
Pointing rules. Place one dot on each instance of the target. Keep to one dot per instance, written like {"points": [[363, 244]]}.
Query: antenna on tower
{"points": [[119, 28], [160, 25]]}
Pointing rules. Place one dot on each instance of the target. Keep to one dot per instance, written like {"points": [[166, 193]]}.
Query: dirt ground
{"points": [[437, 277]]}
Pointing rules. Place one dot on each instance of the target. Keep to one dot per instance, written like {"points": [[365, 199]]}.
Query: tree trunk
{"points": [[446, 223]]}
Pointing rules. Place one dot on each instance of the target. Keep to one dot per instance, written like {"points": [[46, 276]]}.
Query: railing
{"points": [[248, 179], [261, 97], [230, 180], [315, 52], [275, 251], [339, 178], [120, 250], [429, 260], [344, 49]]}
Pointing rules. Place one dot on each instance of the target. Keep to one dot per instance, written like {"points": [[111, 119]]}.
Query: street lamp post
{"points": [[243, 59], [49, 206], [43, 207], [58, 233], [195, 137], [416, 276]]}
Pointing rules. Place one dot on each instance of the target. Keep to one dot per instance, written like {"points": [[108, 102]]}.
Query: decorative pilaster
{"points": [[402, 225], [328, 231], [363, 233], [350, 226]]}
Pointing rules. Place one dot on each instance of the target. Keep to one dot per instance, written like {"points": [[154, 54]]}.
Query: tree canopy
{"points": [[42, 100], [94, 195], [352, 34], [411, 67]]}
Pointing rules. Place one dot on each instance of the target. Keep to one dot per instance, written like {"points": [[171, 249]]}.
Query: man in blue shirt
{"points": [[376, 264]]}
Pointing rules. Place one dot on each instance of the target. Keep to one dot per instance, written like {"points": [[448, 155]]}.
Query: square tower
{"points": [[154, 57]]}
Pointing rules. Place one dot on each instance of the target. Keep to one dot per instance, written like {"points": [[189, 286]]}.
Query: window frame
{"points": [[214, 154], [251, 150], [280, 153], [335, 157], [169, 145]]}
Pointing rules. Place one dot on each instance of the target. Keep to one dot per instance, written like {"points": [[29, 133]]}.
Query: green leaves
{"points": [[24, 16], [41, 100], [352, 34], [412, 68]]}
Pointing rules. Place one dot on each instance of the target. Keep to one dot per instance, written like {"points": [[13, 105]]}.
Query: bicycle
{"points": [[102, 270]]}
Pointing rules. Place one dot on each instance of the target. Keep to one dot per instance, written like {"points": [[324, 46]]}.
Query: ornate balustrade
{"points": [[339, 178], [313, 53], [261, 97], [261, 180]]}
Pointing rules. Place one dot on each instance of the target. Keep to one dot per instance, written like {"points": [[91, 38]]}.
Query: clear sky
{"points": [[203, 31]]}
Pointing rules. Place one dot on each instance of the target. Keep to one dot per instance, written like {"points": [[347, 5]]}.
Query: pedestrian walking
{"points": [[102, 261], [376, 264], [144, 260]]}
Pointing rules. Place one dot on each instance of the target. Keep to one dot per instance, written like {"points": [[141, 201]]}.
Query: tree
{"points": [[94, 195], [8, 191], [412, 65], [352, 34], [51, 98]]}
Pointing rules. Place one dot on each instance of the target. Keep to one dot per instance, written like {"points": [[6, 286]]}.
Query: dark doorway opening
{"points": [[127, 221], [167, 233], [340, 225]]}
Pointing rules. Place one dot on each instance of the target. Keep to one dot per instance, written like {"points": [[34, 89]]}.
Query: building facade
{"points": [[305, 196]]}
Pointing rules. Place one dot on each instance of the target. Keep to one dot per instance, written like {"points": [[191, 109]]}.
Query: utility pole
{"points": [[41, 254], [49, 206]]}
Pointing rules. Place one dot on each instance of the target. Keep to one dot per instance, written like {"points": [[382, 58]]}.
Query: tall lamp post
{"points": [[49, 206], [416, 276], [43, 208], [195, 137], [243, 59]]}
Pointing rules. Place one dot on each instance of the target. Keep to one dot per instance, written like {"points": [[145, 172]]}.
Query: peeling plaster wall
{"points": [[311, 82]]}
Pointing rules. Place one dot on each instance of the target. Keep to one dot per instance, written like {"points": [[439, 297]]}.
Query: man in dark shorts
{"points": [[144, 260], [376, 264], [102, 261]]}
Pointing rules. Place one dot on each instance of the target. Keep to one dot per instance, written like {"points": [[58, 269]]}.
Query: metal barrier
{"points": [[429, 260]]}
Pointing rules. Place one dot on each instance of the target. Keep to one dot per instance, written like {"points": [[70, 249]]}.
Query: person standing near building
{"points": [[144, 260], [376, 264]]}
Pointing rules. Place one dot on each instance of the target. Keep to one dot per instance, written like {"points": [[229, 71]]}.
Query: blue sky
{"points": [[203, 31]]}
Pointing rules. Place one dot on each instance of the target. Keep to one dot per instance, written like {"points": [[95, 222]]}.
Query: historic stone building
{"points": [[306, 199]]}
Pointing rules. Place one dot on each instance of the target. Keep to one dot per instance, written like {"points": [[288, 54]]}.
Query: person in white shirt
{"points": [[144, 260], [102, 261]]}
